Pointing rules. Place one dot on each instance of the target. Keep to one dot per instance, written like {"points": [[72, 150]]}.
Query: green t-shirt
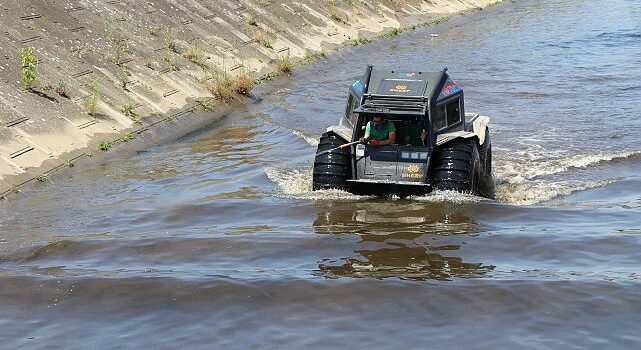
{"points": [[379, 134]]}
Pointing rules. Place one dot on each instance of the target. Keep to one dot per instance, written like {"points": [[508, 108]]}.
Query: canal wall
{"points": [[107, 71]]}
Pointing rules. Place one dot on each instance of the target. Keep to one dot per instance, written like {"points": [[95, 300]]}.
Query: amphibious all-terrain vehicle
{"points": [[455, 155]]}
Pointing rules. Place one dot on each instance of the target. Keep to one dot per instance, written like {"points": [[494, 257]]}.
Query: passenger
{"points": [[415, 135], [379, 132]]}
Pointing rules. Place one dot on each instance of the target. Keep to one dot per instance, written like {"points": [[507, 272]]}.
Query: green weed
{"points": [[169, 40], [269, 76], [119, 39], [128, 136], [312, 56], [393, 32], [90, 102], [29, 65], [123, 77], [128, 111], [206, 103], [42, 177], [104, 145], [360, 41]]}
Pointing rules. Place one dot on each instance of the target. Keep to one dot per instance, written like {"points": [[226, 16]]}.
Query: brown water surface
{"points": [[217, 241]]}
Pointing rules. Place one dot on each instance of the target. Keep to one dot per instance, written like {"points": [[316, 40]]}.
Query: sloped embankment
{"points": [[108, 70]]}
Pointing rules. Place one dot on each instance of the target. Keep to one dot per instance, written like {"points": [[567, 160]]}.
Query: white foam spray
{"points": [[521, 180], [312, 140]]}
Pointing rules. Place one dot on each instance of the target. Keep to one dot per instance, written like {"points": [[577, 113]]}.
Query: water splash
{"points": [[448, 196], [534, 165], [311, 140], [530, 193], [297, 184]]}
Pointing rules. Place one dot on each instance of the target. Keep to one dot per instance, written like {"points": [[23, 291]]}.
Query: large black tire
{"points": [[331, 169], [486, 184], [456, 166]]}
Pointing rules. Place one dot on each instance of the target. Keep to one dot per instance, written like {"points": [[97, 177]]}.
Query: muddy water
{"points": [[216, 241]]}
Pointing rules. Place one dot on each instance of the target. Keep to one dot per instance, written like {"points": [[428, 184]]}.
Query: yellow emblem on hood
{"points": [[412, 168], [400, 88]]}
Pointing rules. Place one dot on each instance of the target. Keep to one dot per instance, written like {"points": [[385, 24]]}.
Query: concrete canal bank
{"points": [[107, 71]]}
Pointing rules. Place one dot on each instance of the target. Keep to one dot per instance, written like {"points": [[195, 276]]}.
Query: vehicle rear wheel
{"points": [[456, 167], [331, 169]]}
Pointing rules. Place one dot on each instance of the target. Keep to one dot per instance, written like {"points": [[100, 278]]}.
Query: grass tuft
{"points": [[336, 18], [393, 32], [251, 20], [285, 65], [360, 41], [128, 111], [242, 84], [196, 54], [226, 88], [313, 56], [60, 89], [169, 40], [263, 39], [221, 87], [206, 103], [269, 76], [42, 177], [128, 136], [104, 146]]}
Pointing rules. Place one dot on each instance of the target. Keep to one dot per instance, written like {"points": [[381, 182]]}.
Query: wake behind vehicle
{"points": [[455, 155]]}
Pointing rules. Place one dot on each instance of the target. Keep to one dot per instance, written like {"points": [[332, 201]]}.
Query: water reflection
{"points": [[408, 240]]}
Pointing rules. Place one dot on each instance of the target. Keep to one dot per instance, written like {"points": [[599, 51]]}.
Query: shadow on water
{"points": [[407, 240]]}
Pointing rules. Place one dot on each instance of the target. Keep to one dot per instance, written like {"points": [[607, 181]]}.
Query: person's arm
{"points": [[366, 138], [389, 140]]}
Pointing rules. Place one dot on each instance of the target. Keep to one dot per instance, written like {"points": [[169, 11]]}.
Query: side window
{"points": [[453, 112], [438, 120], [349, 110]]}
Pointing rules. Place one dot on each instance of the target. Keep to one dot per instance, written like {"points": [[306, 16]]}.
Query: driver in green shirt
{"points": [[379, 132]]}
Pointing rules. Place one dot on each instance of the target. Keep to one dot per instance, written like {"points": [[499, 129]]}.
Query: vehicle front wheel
{"points": [[331, 169], [456, 167]]}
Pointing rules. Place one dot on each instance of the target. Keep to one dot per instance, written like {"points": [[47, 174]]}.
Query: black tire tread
{"points": [[453, 166], [331, 169]]}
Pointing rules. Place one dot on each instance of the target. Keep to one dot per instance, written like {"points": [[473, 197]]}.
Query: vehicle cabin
{"points": [[407, 99]]}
